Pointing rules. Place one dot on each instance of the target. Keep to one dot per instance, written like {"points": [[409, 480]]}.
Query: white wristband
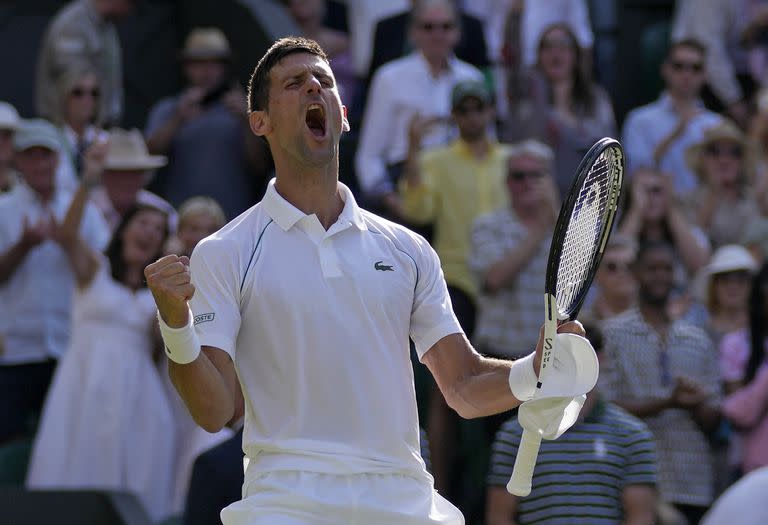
{"points": [[181, 344], [522, 378]]}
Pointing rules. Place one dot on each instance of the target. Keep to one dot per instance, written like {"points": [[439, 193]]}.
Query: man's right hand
{"points": [[189, 104], [170, 282], [34, 234]]}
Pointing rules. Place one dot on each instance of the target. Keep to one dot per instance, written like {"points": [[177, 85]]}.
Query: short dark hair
{"points": [[258, 85], [646, 247], [690, 43]]}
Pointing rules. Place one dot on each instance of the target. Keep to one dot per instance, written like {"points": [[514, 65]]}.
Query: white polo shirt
{"points": [[317, 324]]}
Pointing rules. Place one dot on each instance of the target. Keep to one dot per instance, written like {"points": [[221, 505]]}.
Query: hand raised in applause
{"points": [[170, 282]]}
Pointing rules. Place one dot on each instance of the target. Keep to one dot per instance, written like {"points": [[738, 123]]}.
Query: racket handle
{"points": [[522, 474]]}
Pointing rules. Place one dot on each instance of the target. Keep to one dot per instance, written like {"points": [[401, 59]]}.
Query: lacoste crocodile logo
{"points": [[383, 267]]}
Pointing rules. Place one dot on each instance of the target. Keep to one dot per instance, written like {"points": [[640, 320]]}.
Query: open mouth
{"points": [[315, 120]]}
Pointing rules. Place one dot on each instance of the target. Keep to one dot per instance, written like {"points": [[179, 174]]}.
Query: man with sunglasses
{"points": [[509, 250], [449, 187], [657, 135]]}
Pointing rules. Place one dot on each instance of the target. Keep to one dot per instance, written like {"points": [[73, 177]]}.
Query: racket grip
{"points": [[525, 461]]}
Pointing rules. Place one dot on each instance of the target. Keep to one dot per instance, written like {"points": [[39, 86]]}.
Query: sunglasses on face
{"points": [[738, 276], [720, 150], [520, 175], [432, 26], [81, 92], [679, 66], [615, 266], [556, 43], [465, 109]]}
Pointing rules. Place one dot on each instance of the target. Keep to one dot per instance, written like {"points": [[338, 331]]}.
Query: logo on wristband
{"points": [[204, 318]]}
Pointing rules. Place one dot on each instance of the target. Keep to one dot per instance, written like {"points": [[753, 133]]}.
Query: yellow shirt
{"points": [[455, 188]]}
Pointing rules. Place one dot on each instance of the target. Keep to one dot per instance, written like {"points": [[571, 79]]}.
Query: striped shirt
{"points": [[508, 320], [640, 365], [579, 477]]}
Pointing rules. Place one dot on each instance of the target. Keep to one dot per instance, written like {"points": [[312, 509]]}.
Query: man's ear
{"points": [[345, 122], [260, 123]]}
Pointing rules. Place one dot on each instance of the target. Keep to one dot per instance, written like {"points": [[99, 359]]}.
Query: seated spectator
{"points": [[77, 117], [199, 217], [128, 167], [410, 97], [390, 40], [723, 201], [9, 122], [36, 277], [310, 17], [616, 288], [558, 103], [664, 371], [83, 32], [204, 131], [658, 134], [651, 213], [600, 471], [107, 423]]}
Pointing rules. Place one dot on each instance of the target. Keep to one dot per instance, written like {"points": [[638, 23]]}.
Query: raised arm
{"points": [[204, 377]]}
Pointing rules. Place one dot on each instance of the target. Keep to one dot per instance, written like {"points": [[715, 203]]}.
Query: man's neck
{"points": [[311, 190], [607, 305], [655, 315], [436, 65], [478, 147], [682, 102]]}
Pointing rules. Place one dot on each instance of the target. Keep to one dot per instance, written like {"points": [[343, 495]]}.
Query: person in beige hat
{"points": [[725, 200], [204, 130], [127, 169], [9, 122]]}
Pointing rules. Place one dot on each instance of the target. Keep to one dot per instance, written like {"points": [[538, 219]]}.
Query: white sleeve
{"points": [[377, 130], [216, 303], [432, 316]]}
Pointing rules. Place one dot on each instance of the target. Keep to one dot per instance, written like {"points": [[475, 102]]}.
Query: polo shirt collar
{"points": [[452, 64], [286, 215]]}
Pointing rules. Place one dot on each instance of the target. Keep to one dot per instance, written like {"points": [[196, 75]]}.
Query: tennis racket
{"points": [[581, 232]]}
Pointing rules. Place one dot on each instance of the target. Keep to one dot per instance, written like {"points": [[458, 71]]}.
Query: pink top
{"points": [[746, 408]]}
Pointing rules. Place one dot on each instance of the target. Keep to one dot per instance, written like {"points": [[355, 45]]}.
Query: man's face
{"points": [[305, 117], [614, 276], [684, 72], [38, 167], [123, 186], [472, 117], [205, 74], [655, 272], [435, 32], [527, 180]]}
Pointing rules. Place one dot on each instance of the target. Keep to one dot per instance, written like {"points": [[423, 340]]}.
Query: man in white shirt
{"points": [[36, 280], [308, 301], [410, 95]]}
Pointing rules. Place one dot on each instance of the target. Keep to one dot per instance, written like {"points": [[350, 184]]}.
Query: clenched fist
{"points": [[170, 282]]}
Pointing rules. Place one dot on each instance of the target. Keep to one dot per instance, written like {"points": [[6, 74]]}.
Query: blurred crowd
{"points": [[469, 119]]}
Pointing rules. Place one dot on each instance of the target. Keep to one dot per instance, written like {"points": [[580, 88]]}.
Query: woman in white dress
{"points": [[107, 423]]}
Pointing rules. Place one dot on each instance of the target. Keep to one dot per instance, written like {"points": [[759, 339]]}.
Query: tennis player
{"points": [[308, 302]]}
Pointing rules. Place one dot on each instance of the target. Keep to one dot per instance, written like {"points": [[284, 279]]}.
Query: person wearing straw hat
{"points": [[9, 122], [128, 168], [36, 278], [204, 131], [724, 201]]}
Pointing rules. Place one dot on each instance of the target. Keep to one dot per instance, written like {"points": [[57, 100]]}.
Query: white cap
{"points": [[9, 117]]}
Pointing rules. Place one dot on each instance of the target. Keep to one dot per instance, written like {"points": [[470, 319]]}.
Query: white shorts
{"points": [[307, 498]]}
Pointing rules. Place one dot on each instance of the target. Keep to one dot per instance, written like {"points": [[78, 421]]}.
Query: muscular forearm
{"points": [[485, 390], [10, 260], [205, 392]]}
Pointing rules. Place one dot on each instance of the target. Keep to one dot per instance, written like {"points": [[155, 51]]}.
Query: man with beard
{"points": [[665, 372]]}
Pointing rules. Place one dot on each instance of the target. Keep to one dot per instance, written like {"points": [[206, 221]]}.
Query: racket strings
{"points": [[585, 230]]}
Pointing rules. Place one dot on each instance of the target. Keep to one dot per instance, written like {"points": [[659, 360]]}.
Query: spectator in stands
{"points": [[107, 422], [410, 97], [744, 502], [310, 17], [390, 40], [127, 169], [665, 372], [658, 134], [84, 32], [36, 278], [9, 122], [509, 257], [204, 131], [723, 201], [600, 471], [450, 186], [616, 288], [199, 217], [558, 103], [718, 25], [651, 213], [77, 117], [755, 238]]}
